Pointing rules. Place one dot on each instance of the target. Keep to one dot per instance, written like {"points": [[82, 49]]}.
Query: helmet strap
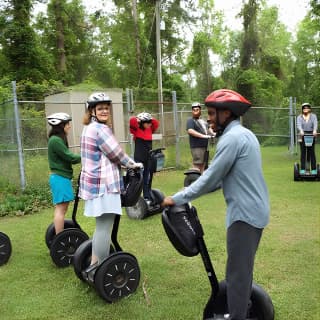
{"points": [[221, 126], [94, 115]]}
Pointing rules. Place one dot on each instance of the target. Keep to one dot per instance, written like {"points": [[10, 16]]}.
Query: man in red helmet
{"points": [[236, 167]]}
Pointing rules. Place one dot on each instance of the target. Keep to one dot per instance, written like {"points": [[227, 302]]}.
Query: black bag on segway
{"points": [[133, 183], [177, 222], [156, 161]]}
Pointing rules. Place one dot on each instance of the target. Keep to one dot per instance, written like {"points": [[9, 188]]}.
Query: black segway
{"points": [[142, 209], [118, 275], [63, 246], [193, 174], [308, 140], [5, 248], [185, 232]]}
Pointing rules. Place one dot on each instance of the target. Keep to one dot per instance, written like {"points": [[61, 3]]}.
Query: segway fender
{"points": [[5, 248], [191, 176], [138, 211]]}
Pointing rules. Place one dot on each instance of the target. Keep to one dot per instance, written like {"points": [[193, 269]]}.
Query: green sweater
{"points": [[61, 158]]}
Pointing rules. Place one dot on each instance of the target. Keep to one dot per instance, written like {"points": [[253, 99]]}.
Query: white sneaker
{"points": [[148, 202]]}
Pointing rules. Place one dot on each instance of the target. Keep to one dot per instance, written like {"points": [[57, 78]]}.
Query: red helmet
{"points": [[229, 100]]}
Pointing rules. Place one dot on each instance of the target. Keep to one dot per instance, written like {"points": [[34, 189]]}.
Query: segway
{"points": [[64, 245], [308, 140], [143, 209], [184, 230], [118, 275], [193, 174], [5, 248]]}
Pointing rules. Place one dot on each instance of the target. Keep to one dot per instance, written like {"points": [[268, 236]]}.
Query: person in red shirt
{"points": [[142, 127]]}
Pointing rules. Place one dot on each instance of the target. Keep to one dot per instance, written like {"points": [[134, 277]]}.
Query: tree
{"points": [[249, 46], [306, 80], [207, 42], [24, 58], [66, 35]]}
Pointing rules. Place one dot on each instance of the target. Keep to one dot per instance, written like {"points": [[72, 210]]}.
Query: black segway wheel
{"points": [[65, 244], [82, 258], [117, 277], [296, 172], [191, 176], [5, 248], [138, 211], [260, 305], [51, 232]]}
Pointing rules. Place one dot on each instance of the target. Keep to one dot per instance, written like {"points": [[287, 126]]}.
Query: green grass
{"points": [[287, 263]]}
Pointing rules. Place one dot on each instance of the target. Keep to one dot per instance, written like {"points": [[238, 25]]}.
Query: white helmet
{"points": [[57, 118], [144, 116], [97, 97], [196, 105]]}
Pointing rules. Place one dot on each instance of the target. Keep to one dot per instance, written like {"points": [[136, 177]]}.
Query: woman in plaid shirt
{"points": [[101, 181]]}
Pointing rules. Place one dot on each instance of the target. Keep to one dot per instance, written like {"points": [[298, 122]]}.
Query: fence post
{"points": [[18, 132], [176, 126], [291, 126], [130, 109]]}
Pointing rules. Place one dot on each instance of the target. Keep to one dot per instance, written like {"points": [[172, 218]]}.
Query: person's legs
{"points": [[102, 237], [59, 215], [242, 244], [313, 157], [62, 194], [302, 156], [198, 158], [146, 180]]}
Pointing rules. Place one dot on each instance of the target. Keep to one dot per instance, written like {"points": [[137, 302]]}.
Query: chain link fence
{"points": [[23, 132]]}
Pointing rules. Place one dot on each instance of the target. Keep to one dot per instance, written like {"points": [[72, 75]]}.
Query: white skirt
{"points": [[108, 203]]}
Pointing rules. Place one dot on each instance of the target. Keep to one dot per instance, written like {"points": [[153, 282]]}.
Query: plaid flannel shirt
{"points": [[101, 157]]}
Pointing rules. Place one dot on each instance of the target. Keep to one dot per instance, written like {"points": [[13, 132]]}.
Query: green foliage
{"points": [[306, 78], [37, 91], [31, 200], [116, 47], [20, 44]]}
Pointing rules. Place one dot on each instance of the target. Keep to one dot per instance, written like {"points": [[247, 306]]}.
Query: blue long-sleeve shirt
{"points": [[236, 167]]}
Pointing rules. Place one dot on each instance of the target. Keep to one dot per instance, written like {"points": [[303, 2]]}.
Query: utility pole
{"points": [[159, 71]]}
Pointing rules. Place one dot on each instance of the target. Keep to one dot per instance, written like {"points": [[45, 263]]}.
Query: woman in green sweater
{"points": [[60, 163]]}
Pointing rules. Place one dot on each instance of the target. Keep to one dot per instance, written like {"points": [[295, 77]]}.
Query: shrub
{"points": [[31, 200]]}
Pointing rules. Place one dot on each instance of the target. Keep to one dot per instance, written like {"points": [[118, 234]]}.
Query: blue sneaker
{"points": [[313, 171], [302, 171]]}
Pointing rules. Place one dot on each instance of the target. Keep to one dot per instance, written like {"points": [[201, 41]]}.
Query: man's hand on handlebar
{"points": [[167, 201]]}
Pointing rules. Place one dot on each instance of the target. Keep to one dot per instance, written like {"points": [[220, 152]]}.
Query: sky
{"points": [[291, 12]]}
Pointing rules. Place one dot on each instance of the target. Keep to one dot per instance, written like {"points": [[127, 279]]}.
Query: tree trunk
{"points": [[61, 63], [136, 34]]}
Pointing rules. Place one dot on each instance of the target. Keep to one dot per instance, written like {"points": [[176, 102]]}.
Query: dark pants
{"points": [[146, 179], [242, 244], [307, 153]]}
